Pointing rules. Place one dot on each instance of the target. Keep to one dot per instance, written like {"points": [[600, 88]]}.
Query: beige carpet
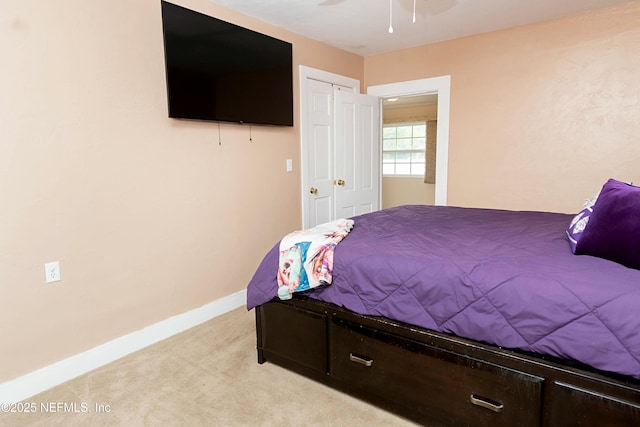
{"points": [[206, 376]]}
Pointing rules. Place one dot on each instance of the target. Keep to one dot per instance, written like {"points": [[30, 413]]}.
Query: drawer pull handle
{"points": [[360, 359], [487, 403]]}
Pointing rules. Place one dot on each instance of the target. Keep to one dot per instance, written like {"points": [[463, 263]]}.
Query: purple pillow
{"points": [[614, 225], [577, 226]]}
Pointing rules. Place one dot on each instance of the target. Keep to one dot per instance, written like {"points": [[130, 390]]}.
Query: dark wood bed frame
{"points": [[438, 379]]}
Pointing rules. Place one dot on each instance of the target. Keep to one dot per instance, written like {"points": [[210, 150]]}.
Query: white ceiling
{"points": [[361, 26]]}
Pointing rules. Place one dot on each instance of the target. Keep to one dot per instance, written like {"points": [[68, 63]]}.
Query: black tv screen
{"points": [[223, 72]]}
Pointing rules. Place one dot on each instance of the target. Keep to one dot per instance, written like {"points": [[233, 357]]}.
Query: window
{"points": [[403, 149]]}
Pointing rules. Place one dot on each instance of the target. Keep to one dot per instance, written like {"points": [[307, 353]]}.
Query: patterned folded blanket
{"points": [[306, 256]]}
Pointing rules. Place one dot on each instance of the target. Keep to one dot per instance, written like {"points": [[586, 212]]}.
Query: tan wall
{"points": [[406, 191], [148, 216], [541, 115]]}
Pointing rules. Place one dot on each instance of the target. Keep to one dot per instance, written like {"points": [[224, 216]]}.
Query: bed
{"points": [[459, 316]]}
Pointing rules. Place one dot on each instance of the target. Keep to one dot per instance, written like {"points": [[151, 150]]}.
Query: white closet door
{"points": [[357, 153], [318, 192]]}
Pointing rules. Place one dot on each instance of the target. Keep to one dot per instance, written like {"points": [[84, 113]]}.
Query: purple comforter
{"points": [[503, 277]]}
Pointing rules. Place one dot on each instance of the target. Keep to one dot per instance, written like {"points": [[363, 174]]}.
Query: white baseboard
{"points": [[50, 376]]}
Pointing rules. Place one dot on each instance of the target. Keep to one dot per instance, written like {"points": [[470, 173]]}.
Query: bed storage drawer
{"points": [[292, 336], [432, 385], [578, 407]]}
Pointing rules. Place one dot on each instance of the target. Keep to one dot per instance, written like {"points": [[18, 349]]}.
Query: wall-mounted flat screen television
{"points": [[223, 72]]}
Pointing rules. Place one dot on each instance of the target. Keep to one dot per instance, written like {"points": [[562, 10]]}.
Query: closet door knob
{"points": [[340, 182], [313, 190]]}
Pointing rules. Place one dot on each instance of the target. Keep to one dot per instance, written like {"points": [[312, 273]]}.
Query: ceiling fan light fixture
{"points": [[391, 15], [414, 11]]}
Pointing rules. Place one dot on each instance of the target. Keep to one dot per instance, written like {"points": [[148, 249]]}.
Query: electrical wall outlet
{"points": [[52, 271]]}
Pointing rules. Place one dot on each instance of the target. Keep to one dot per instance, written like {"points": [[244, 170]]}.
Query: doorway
{"points": [[441, 87], [409, 127]]}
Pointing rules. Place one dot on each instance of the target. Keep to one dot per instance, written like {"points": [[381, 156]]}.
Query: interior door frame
{"points": [[442, 86], [308, 73]]}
